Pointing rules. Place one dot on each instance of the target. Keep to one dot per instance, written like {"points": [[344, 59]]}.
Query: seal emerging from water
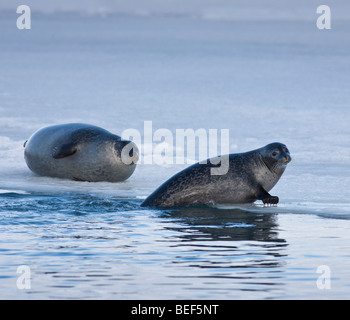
{"points": [[250, 177], [80, 152]]}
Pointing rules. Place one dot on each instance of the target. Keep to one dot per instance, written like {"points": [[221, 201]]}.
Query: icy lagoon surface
{"points": [[265, 81]]}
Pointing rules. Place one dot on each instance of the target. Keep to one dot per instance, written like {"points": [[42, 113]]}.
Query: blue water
{"points": [[265, 81], [81, 246]]}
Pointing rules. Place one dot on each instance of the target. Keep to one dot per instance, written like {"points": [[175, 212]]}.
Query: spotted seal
{"points": [[250, 177]]}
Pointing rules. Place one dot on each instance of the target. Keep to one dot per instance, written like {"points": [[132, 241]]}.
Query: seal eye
{"points": [[275, 153]]}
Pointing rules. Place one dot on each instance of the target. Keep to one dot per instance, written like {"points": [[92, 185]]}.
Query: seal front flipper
{"points": [[270, 200], [64, 150], [267, 198]]}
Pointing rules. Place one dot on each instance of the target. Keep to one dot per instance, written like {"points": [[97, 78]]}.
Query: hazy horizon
{"points": [[207, 9]]}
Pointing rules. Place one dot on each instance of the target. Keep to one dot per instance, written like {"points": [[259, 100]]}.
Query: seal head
{"points": [[276, 156]]}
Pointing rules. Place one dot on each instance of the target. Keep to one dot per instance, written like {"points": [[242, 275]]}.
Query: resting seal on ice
{"points": [[250, 177], [80, 152]]}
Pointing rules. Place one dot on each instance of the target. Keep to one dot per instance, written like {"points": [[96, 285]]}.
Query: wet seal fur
{"points": [[80, 152], [250, 177]]}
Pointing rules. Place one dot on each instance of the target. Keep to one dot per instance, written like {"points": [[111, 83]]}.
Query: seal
{"points": [[250, 177], [80, 152]]}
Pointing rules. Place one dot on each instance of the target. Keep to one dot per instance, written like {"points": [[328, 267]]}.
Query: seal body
{"points": [[250, 177], [80, 152]]}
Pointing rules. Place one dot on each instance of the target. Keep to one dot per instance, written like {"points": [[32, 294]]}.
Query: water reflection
{"points": [[85, 246], [203, 223], [230, 250]]}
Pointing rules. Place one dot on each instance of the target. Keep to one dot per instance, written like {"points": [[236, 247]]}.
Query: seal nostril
{"points": [[287, 159]]}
